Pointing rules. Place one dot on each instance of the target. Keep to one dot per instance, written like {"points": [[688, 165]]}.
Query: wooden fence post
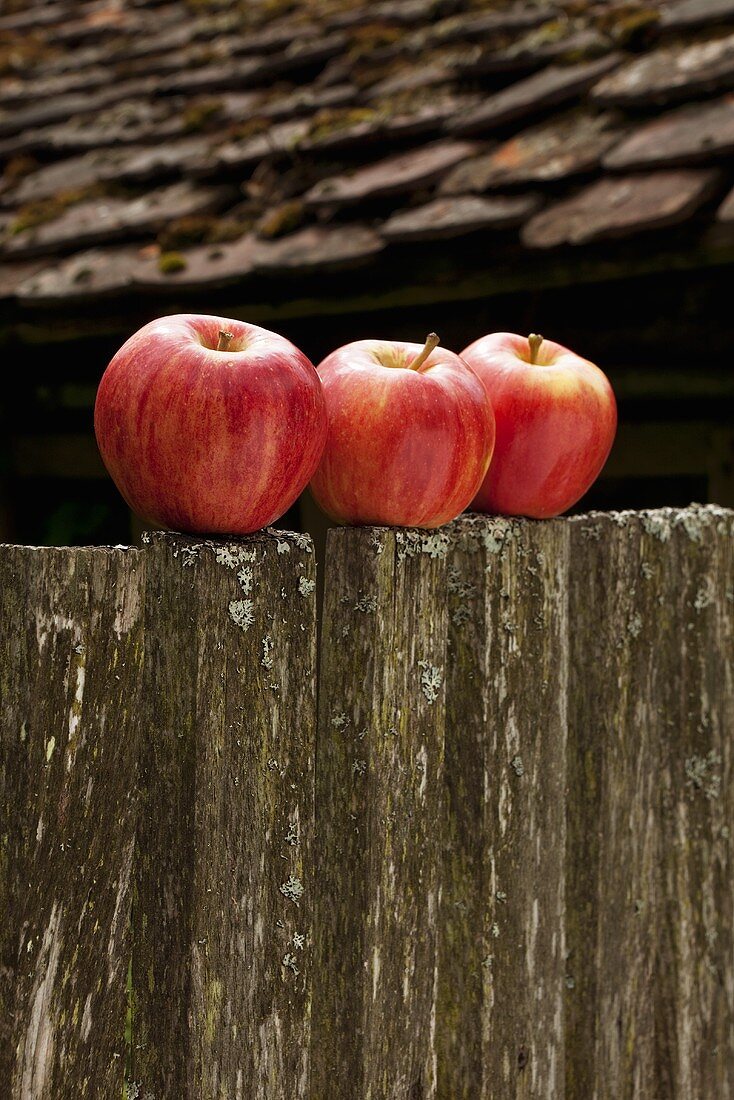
{"points": [[695, 965], [650, 997], [379, 803], [222, 920], [70, 659], [502, 961]]}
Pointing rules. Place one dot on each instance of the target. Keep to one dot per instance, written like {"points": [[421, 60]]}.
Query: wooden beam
{"points": [[423, 278]]}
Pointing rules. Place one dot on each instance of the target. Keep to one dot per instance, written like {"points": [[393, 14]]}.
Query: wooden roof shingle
{"points": [[278, 139]]}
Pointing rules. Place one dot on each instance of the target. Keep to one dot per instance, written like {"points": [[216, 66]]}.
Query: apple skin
{"points": [[207, 441], [556, 421], [405, 447]]}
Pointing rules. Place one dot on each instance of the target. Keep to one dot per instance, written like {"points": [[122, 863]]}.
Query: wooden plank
{"points": [[694, 982], [222, 927], [71, 652], [612, 826], [500, 1021], [650, 1004], [379, 798]]}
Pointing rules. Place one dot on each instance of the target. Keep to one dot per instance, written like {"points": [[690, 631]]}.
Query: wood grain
{"points": [[379, 799], [650, 1011], [223, 935], [694, 983], [500, 1030], [70, 658]]}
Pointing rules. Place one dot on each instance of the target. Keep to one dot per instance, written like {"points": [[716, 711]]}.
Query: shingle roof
{"points": [[200, 143]]}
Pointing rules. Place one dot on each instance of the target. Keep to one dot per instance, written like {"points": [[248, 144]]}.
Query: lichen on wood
{"points": [[650, 996], [379, 797], [224, 880], [502, 956], [71, 652]]}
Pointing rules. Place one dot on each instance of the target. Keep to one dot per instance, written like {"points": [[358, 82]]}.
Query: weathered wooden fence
{"points": [[497, 863]]}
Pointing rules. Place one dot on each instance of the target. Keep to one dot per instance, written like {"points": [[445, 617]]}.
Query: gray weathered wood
{"points": [[694, 641], [224, 881], [500, 1022], [650, 1002], [70, 658], [379, 799], [613, 827]]}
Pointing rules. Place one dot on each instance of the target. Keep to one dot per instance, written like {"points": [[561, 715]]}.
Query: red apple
{"points": [[209, 425], [410, 434], [556, 418]]}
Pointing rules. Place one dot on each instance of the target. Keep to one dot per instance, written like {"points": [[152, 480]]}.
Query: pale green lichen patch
{"points": [[303, 542], [306, 586], [517, 766], [266, 659], [488, 533], [285, 538], [704, 596], [340, 721], [242, 614], [233, 556], [359, 767], [291, 837], [366, 604], [431, 681], [634, 626], [656, 524], [436, 544], [459, 587], [692, 521], [292, 889], [460, 615], [244, 576], [290, 963], [189, 554], [50, 746], [701, 773], [376, 542]]}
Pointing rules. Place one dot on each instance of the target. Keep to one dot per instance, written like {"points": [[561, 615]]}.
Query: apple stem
{"points": [[225, 339], [432, 341], [534, 340]]}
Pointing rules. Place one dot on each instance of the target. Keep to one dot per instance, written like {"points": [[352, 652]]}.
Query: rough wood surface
{"points": [[70, 658], [694, 981], [224, 881], [500, 1022], [379, 798], [650, 997]]}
